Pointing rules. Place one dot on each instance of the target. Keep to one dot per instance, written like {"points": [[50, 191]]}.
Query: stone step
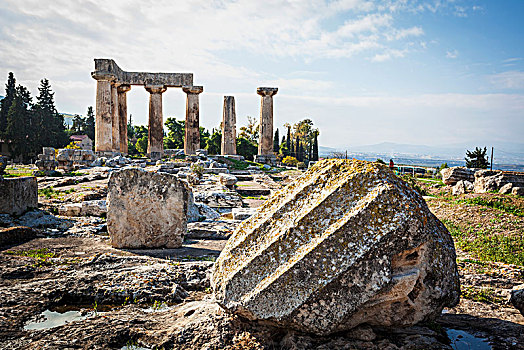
{"points": [[253, 192]]}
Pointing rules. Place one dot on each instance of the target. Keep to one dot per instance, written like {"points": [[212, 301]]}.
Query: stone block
{"points": [[16, 235], [18, 194], [494, 180], [50, 151], [450, 176], [346, 244], [242, 213], [146, 210], [227, 180], [517, 191]]}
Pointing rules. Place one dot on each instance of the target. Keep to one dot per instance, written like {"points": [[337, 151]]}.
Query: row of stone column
{"points": [[111, 118], [265, 145]]}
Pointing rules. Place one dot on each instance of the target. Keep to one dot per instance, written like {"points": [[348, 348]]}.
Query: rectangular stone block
{"points": [[18, 194], [146, 210]]}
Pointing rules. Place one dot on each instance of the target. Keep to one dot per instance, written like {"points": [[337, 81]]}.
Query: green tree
{"points": [[7, 101], [276, 139], [477, 158], [288, 141], [315, 147], [19, 121], [90, 123], [51, 123], [79, 125], [213, 143], [204, 136], [141, 144], [246, 148], [175, 133], [250, 131]]}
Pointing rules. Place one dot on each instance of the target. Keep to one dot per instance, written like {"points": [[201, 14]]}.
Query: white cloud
{"points": [[452, 54], [508, 80]]}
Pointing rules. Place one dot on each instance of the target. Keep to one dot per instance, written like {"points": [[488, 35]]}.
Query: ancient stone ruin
{"points": [[229, 120], [111, 107], [146, 210], [18, 195], [347, 244], [265, 145]]}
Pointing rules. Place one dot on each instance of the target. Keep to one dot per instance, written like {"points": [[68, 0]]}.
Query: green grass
{"points": [[42, 253], [50, 192], [488, 247], [496, 203], [482, 295]]}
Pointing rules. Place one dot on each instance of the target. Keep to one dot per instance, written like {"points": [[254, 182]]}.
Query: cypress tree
{"points": [[289, 142], [18, 129], [297, 148], [315, 147], [90, 123], [52, 129], [276, 139], [7, 101]]}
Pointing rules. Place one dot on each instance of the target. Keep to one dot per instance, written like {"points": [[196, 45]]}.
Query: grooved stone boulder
{"points": [[146, 210], [347, 243]]}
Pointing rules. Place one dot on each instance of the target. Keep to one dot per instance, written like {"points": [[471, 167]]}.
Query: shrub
{"points": [[291, 161]]}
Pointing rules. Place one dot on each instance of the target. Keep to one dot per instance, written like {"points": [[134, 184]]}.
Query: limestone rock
{"points": [[243, 213], [506, 189], [18, 194], [219, 199], [517, 191], [146, 209], [461, 187], [494, 180], [348, 243], [517, 298], [227, 180], [450, 176], [16, 235]]}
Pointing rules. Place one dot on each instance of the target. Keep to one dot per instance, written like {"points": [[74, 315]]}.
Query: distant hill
{"points": [[507, 155]]}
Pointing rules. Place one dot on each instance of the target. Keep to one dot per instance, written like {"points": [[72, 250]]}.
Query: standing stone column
{"points": [[229, 120], [115, 124], [122, 116], [265, 145], [192, 135], [104, 119], [155, 146]]}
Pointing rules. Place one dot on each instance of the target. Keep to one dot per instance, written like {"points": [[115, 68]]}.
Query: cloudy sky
{"points": [[421, 72]]}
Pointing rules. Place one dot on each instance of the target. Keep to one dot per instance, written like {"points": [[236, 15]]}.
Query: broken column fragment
{"points": [[18, 194], [348, 243], [146, 210], [229, 119]]}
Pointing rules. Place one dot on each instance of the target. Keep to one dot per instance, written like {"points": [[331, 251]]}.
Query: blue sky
{"points": [[420, 72]]}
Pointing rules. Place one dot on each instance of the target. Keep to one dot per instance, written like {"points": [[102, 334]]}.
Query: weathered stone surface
{"points": [[517, 191], [506, 189], [16, 235], [450, 176], [517, 298], [192, 131], [227, 180], [461, 187], [243, 213], [146, 209], [18, 195], [86, 208], [494, 180], [155, 146], [265, 146], [348, 243], [229, 120], [219, 199]]}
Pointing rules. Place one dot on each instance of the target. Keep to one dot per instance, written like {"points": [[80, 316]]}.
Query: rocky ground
{"points": [[154, 299]]}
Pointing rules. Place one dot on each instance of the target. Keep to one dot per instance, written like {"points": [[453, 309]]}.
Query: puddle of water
{"points": [[461, 340], [51, 319]]}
